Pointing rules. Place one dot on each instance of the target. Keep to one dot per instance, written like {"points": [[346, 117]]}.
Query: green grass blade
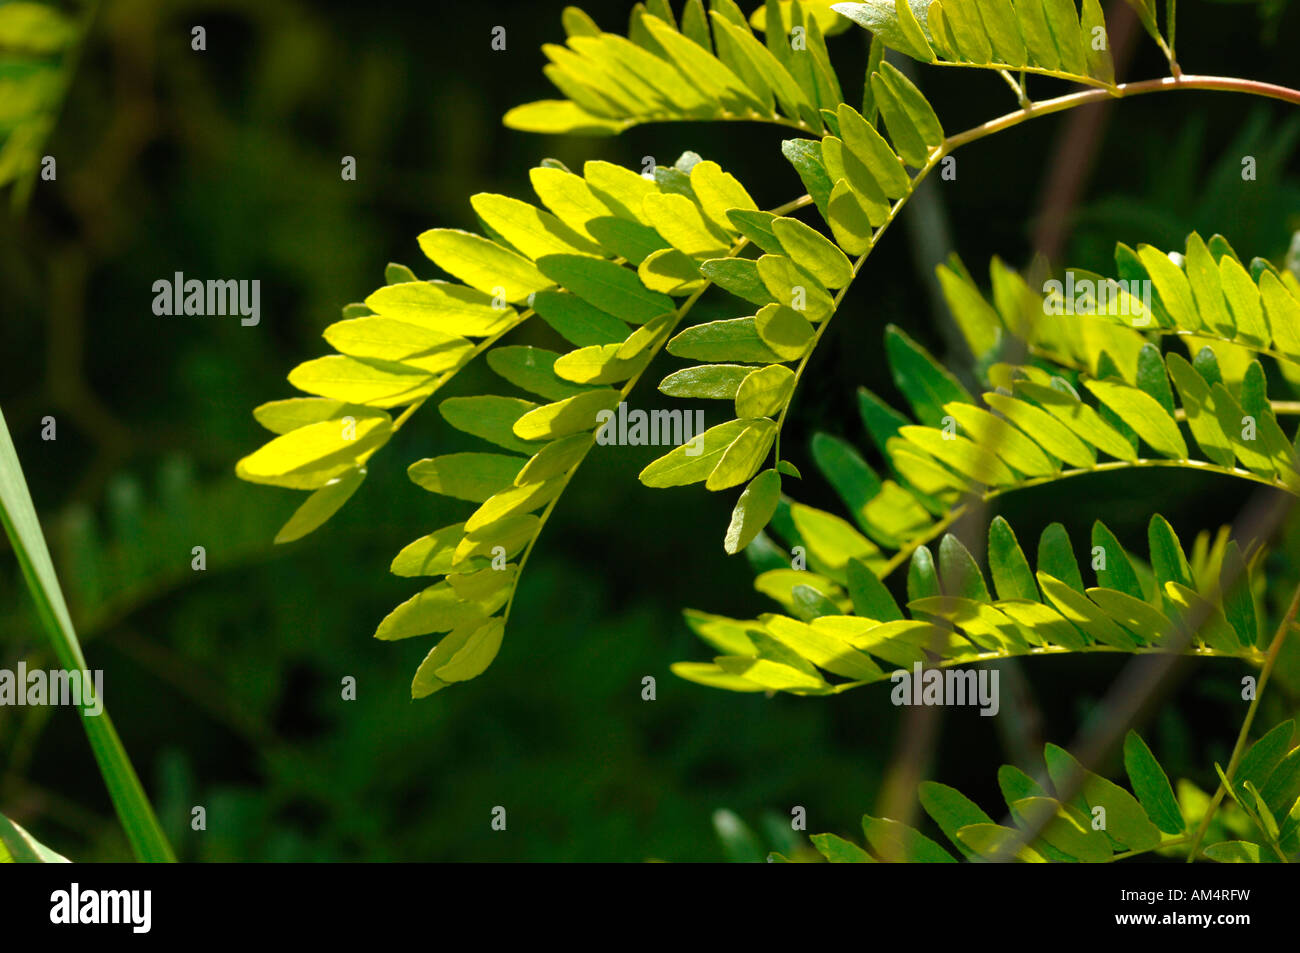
{"points": [[19, 517], [19, 847]]}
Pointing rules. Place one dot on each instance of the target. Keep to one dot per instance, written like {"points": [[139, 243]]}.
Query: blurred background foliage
{"points": [[225, 684]]}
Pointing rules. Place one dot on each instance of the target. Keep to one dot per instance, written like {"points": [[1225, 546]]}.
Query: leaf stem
{"points": [[1172, 842], [627, 388], [1046, 107], [1031, 111], [905, 552]]}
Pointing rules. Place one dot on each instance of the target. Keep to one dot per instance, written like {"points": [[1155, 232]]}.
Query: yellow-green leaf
{"points": [[481, 264]]}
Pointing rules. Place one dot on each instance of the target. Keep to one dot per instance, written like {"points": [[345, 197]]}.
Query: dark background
{"points": [[225, 684]]}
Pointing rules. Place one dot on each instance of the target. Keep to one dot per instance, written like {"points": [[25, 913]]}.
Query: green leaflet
{"points": [[435, 609], [670, 272], [764, 392], [851, 222], [1234, 852], [912, 124], [464, 653], [490, 418], [871, 599], [570, 197], [622, 190], [1115, 570], [576, 321], [1205, 619], [898, 843], [1238, 600], [822, 12], [1262, 758], [1167, 559], [714, 381], [825, 648], [501, 539], [783, 331], [1151, 785], [311, 456], [1064, 829], [884, 167], [607, 286], [1085, 614], [1282, 789], [1053, 436], [683, 225], [514, 501], [529, 229], [854, 481], [831, 541], [894, 23], [977, 319], [992, 841], [744, 456], [391, 340], [951, 811], [1016, 785], [811, 251], [626, 239], [757, 227], [1016, 450], [961, 574], [1146, 11], [282, 416], [480, 263], [377, 383], [555, 458], [316, 510], [1079, 417], [1056, 556], [730, 340], [430, 555], [720, 194], [681, 466], [753, 510], [562, 418], [792, 287], [1144, 414], [466, 476], [1126, 822], [532, 369], [961, 454], [597, 364], [739, 276], [837, 850], [1007, 563], [1139, 617], [806, 157], [926, 385]]}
